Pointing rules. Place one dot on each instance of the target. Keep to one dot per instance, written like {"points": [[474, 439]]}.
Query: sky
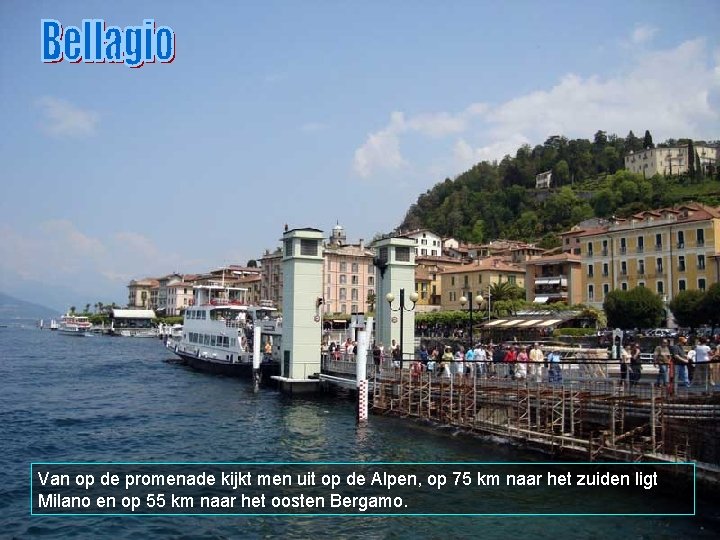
{"points": [[307, 113]]}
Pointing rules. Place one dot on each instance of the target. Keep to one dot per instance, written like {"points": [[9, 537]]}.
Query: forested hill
{"points": [[499, 200]]}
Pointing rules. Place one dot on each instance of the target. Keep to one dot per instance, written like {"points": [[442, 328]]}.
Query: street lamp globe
{"points": [[463, 300], [390, 297], [413, 297], [479, 299]]}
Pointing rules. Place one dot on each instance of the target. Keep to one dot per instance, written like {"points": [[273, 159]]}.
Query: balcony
{"points": [[681, 245], [623, 250], [639, 249], [604, 252], [701, 243], [658, 247]]}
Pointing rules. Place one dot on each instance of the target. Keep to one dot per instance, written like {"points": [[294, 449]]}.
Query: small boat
{"points": [[74, 325]]}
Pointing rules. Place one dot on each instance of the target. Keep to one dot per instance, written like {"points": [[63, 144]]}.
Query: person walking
{"points": [[661, 358], [535, 367], [680, 361], [635, 365]]}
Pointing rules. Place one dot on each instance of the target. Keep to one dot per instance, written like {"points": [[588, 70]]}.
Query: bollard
{"points": [[361, 377]]}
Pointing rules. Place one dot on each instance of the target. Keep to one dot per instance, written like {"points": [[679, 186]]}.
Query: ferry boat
{"points": [[218, 333], [74, 325]]}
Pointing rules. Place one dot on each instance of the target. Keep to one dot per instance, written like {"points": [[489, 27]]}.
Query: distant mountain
{"points": [[14, 308]]}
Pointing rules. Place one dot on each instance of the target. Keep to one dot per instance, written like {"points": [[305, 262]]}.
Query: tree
{"points": [[708, 305], [647, 141], [561, 173], [692, 173], [252, 263], [87, 308], [686, 308], [632, 143], [636, 308]]}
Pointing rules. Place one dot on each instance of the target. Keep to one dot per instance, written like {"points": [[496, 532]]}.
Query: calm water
{"points": [[115, 399]]}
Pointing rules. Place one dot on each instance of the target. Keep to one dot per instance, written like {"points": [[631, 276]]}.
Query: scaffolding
{"points": [[593, 419]]}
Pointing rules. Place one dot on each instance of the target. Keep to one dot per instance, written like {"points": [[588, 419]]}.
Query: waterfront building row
{"points": [[667, 249]]}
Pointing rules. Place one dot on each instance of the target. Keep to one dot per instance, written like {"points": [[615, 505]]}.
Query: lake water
{"points": [[116, 399]]}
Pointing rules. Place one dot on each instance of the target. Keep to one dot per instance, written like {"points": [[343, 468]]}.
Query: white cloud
{"points": [[673, 93], [62, 118], [642, 33], [57, 252], [381, 150]]}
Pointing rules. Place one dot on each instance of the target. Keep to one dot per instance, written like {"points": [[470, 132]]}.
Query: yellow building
{"points": [[668, 250], [428, 282], [474, 279]]}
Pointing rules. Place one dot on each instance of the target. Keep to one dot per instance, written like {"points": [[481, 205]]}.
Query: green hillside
{"points": [[499, 200]]}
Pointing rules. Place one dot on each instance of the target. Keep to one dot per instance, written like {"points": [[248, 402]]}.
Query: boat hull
{"points": [[238, 369]]}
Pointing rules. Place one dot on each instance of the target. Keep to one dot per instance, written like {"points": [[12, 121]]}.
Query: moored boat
{"points": [[74, 325], [218, 333]]}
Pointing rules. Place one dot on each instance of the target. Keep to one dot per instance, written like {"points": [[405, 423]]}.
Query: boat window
{"points": [[212, 341], [206, 339]]}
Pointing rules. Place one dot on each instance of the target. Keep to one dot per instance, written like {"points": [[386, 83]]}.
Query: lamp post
{"points": [[390, 297], [465, 300]]}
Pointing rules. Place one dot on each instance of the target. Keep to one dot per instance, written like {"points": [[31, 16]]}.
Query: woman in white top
{"points": [[702, 359]]}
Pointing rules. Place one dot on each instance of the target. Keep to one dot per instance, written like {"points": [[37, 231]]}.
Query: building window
{"points": [[606, 289], [681, 285], [681, 263], [343, 294], [590, 249], [354, 280], [343, 308], [606, 270], [371, 281], [402, 254], [466, 281], [591, 270], [641, 283], [354, 268], [623, 268], [452, 281], [700, 235], [343, 267], [354, 308], [640, 244], [604, 248], [623, 245], [658, 242], [511, 279], [701, 284], [660, 287], [591, 292], [308, 247], [641, 267], [354, 295], [623, 286], [659, 265], [701, 262], [681, 239], [343, 279], [371, 269]]}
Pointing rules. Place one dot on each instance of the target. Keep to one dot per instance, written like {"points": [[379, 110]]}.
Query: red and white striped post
{"points": [[361, 377]]}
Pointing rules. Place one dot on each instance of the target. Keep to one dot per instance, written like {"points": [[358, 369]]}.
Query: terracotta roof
{"points": [[561, 257], [489, 263]]}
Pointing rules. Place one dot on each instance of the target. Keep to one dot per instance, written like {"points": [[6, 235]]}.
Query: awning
{"points": [[547, 281], [531, 322], [541, 299], [511, 322], [550, 322], [496, 322]]}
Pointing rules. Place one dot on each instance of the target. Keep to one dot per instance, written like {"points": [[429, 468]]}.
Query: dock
{"points": [[591, 415]]}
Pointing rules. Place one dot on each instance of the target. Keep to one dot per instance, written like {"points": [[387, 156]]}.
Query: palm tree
{"points": [[87, 308], [72, 310]]}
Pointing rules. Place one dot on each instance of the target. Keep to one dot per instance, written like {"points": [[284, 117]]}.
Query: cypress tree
{"points": [[647, 141]]}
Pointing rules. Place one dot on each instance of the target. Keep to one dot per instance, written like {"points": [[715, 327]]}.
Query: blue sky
{"points": [[305, 113]]}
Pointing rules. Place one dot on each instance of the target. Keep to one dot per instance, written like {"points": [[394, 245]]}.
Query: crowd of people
{"points": [[677, 361]]}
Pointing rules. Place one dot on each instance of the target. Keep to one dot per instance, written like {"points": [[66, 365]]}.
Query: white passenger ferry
{"points": [[74, 325], [218, 330]]}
